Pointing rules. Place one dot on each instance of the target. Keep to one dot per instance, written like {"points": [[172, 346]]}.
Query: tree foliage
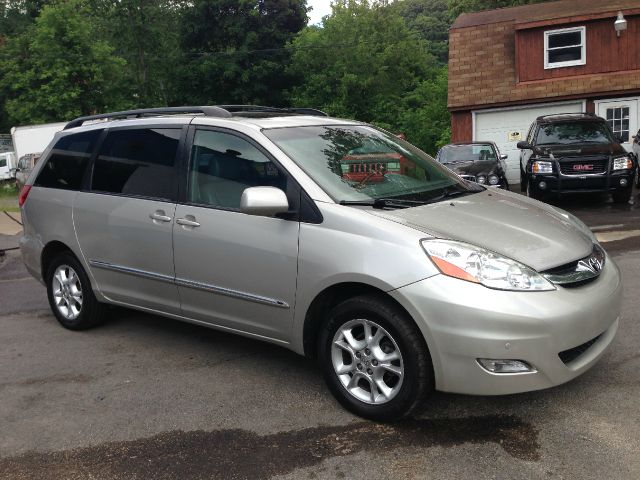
{"points": [[58, 69]]}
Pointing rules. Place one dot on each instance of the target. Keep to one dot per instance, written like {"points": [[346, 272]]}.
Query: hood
{"points": [[474, 168], [587, 149], [533, 233]]}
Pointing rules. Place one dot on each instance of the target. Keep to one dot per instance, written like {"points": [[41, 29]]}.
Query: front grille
{"points": [[583, 167], [572, 354], [579, 272]]}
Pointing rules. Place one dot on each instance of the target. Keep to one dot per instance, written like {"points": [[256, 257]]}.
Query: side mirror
{"points": [[263, 201], [504, 156], [522, 145]]}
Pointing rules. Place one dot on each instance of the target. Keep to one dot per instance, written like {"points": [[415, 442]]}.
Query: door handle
{"points": [[188, 221], [159, 216]]}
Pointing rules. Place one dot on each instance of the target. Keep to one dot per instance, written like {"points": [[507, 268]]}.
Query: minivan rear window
{"points": [[138, 162], [68, 161]]}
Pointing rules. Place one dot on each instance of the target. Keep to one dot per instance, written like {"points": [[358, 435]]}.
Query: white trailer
{"points": [[33, 138], [8, 164]]}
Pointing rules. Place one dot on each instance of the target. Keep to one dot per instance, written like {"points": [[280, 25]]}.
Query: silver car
{"points": [[332, 238]]}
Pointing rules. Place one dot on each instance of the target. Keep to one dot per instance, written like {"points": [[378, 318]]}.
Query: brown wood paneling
{"points": [[461, 127], [605, 51]]}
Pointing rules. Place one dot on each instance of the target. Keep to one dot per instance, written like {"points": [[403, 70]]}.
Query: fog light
{"points": [[542, 185], [623, 182], [505, 366]]}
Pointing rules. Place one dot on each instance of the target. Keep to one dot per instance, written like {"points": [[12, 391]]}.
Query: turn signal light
{"points": [[23, 195]]}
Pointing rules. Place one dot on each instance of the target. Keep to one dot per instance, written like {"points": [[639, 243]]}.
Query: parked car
{"points": [[479, 162], [241, 219], [568, 153], [25, 165], [636, 151]]}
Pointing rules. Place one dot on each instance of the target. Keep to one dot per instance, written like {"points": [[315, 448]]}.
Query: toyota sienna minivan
{"points": [[332, 238]]}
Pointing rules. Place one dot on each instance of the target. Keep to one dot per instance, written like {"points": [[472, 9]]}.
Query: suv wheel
{"points": [[374, 359], [70, 294], [622, 196], [532, 192]]}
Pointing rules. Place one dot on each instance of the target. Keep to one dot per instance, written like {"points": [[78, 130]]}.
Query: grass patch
{"points": [[8, 189]]}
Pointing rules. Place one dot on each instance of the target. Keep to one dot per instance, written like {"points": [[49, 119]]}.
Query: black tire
{"points": [[622, 196], [523, 182], [532, 192], [91, 312], [417, 380]]}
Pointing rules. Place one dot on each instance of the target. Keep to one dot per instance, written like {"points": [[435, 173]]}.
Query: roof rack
{"points": [[220, 111], [588, 114]]}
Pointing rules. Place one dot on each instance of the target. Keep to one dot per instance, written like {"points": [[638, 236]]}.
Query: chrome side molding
{"points": [[182, 282]]}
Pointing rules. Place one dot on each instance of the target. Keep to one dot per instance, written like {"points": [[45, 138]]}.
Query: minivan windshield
{"points": [[565, 133], [360, 163]]}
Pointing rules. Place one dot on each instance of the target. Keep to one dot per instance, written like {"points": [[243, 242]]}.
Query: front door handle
{"points": [[188, 221], [159, 216]]}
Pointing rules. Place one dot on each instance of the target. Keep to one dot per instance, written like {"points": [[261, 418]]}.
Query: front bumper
{"points": [[602, 183], [463, 321]]}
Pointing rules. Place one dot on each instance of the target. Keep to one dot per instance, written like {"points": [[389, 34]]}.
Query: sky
{"points": [[320, 9]]}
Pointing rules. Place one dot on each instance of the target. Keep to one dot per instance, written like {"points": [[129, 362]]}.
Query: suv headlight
{"points": [[622, 163], [474, 264], [542, 167]]}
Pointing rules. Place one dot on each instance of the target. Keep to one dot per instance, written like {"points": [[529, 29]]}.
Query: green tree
{"points": [[146, 34], [456, 7], [57, 69], [235, 51]]}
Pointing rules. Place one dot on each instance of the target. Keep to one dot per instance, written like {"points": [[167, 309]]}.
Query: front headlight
{"points": [[481, 179], [474, 264], [493, 180], [622, 163], [542, 167]]}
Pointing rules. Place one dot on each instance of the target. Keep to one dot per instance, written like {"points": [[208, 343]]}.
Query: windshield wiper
{"points": [[447, 193], [383, 203]]}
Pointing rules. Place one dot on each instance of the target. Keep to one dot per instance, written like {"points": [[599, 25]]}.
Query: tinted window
{"points": [[573, 132], [223, 165], [467, 153], [139, 162], [68, 161], [3, 162]]}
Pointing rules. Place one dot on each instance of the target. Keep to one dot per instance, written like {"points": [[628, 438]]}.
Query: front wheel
{"points": [[622, 196], [70, 294], [374, 358]]}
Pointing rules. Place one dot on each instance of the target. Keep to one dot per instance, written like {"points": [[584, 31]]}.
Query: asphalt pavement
{"points": [[147, 397]]}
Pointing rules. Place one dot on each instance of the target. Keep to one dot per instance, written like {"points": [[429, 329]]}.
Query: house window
{"points": [[618, 120], [565, 47]]}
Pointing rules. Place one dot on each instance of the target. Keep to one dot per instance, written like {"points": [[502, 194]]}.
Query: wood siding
{"points": [[605, 51], [461, 127]]}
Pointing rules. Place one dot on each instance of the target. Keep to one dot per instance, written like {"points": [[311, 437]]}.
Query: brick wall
{"points": [[482, 73]]}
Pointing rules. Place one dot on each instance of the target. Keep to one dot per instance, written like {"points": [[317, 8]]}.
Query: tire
{"points": [[523, 182], [532, 192], [392, 332], [622, 196], [70, 294]]}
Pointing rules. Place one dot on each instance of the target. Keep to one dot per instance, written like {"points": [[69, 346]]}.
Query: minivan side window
{"points": [[223, 165], [68, 161], [138, 162]]}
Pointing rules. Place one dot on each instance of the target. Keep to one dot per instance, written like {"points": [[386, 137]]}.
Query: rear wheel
{"points": [[70, 294], [374, 358]]}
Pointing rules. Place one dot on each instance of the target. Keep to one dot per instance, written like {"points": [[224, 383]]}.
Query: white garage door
{"points": [[505, 127]]}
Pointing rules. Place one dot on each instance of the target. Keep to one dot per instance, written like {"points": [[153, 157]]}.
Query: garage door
{"points": [[506, 127]]}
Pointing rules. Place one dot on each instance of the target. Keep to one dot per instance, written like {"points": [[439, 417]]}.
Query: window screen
{"points": [[138, 162], [223, 165], [68, 161]]}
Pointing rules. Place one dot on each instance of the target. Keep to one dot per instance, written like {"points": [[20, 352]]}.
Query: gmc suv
{"points": [[568, 153]]}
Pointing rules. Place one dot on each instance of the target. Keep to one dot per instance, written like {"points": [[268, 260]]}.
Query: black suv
{"points": [[568, 153]]}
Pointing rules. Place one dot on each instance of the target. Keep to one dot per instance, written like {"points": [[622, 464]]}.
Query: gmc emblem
{"points": [[582, 168]]}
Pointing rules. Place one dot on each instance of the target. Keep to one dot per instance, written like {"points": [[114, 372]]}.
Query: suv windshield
{"points": [[467, 153], [360, 163], [573, 132]]}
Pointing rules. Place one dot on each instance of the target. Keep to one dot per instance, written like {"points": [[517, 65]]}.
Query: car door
{"points": [[124, 222], [234, 270]]}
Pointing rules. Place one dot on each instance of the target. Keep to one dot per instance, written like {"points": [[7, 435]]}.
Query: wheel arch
{"points": [[326, 300], [50, 251]]}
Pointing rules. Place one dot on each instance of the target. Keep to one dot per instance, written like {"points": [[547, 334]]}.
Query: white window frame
{"points": [[569, 63]]}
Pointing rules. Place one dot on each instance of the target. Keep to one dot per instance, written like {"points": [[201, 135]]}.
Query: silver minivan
{"points": [[331, 238]]}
